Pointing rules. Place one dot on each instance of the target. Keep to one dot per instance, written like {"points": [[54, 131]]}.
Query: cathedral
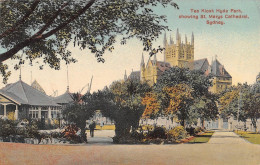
{"points": [[181, 54]]}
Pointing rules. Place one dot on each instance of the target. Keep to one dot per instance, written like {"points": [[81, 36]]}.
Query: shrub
{"points": [[137, 136], [7, 127], [32, 130], [177, 133], [70, 133], [198, 130], [57, 135], [158, 132], [190, 131]]}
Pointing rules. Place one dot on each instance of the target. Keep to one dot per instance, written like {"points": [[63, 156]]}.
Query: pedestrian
{"points": [[101, 124], [92, 128]]}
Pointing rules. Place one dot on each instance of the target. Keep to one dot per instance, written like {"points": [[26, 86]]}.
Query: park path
{"points": [[225, 137], [225, 148], [101, 137]]}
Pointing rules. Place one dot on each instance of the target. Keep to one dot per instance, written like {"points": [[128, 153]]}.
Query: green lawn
{"points": [[249, 136], [203, 138]]}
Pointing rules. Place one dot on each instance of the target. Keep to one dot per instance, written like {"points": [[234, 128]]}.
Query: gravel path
{"points": [[223, 149]]}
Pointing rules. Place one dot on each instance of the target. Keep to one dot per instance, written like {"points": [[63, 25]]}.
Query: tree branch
{"points": [[21, 21], [80, 12], [36, 38], [51, 20]]}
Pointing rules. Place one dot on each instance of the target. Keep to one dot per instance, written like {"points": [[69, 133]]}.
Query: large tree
{"points": [[121, 102], [41, 30], [242, 102], [129, 109], [179, 89], [205, 108]]}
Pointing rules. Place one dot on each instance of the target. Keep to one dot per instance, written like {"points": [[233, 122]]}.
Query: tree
{"points": [[231, 101], [205, 108], [152, 105], [242, 102], [196, 80], [43, 29], [178, 100], [129, 109], [251, 104], [78, 114], [177, 89]]}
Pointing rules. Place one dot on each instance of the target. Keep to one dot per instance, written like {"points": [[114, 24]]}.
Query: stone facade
{"points": [[182, 55], [179, 54], [221, 78]]}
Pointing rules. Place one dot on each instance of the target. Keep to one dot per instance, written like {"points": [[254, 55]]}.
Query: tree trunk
{"points": [[183, 122], [254, 121], [203, 123], [83, 134]]}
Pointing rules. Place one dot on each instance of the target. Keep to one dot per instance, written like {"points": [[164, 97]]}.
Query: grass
{"points": [[249, 136], [203, 138]]}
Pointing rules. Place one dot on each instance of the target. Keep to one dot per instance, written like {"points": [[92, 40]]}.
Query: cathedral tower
{"points": [[179, 54]]}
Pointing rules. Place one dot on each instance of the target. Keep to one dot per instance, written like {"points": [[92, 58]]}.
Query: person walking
{"points": [[92, 127]]}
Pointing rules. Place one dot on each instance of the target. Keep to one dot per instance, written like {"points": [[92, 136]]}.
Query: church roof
{"points": [[37, 86], [162, 66], [135, 75], [25, 94], [64, 98], [198, 64], [218, 70]]}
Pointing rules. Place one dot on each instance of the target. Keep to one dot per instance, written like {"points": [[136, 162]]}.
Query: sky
{"points": [[236, 44]]}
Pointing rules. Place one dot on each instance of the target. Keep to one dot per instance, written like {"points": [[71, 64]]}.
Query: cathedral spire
{"points": [[125, 76], [142, 61], [192, 39], [154, 59], [177, 35], [164, 40], [171, 41], [186, 39]]}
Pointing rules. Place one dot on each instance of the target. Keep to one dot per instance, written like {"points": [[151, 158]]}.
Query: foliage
{"points": [[127, 98], [178, 97], [198, 130], [177, 89], [7, 127], [158, 132], [196, 80], [78, 114], [177, 133], [152, 106], [242, 102], [43, 30], [70, 133], [31, 130], [205, 108]]}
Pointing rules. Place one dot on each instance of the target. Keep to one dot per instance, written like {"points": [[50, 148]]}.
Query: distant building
{"points": [[64, 99], [179, 54], [182, 55], [26, 102], [37, 86], [221, 78], [153, 70]]}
